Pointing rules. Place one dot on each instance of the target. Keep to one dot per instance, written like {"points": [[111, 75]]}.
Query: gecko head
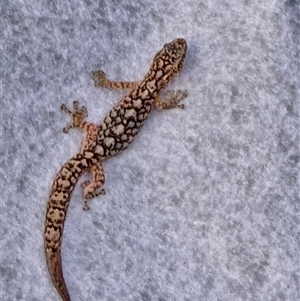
{"points": [[170, 59], [175, 52]]}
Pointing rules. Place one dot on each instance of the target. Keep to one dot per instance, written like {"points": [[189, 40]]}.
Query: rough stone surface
{"points": [[204, 205]]}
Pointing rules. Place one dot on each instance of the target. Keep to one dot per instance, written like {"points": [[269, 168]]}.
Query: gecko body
{"points": [[115, 133]]}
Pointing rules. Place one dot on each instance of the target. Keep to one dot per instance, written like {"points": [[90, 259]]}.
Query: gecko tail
{"points": [[55, 269]]}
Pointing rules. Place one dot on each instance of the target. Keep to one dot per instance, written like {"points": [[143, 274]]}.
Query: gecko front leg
{"points": [[102, 81], [172, 98]]}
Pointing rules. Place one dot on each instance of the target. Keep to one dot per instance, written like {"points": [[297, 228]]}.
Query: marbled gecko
{"points": [[118, 129]]}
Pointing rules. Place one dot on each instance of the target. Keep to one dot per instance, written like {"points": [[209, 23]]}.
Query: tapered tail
{"points": [[55, 270], [57, 208]]}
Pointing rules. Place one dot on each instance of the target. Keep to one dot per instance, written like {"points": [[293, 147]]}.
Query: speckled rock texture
{"points": [[204, 205]]}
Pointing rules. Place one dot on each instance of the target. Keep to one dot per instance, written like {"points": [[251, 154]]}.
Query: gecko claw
{"points": [[89, 196], [78, 115]]}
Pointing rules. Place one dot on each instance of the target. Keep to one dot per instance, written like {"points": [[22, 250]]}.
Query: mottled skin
{"points": [[114, 134]]}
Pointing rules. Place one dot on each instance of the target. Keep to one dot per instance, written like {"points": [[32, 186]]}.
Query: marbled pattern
{"points": [[114, 134]]}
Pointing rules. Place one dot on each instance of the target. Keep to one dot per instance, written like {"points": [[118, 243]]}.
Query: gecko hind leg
{"points": [[172, 98], [91, 189], [78, 116], [100, 80]]}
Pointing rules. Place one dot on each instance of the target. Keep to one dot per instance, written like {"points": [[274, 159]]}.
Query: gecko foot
{"points": [[78, 115], [99, 78], [88, 197], [89, 192], [172, 98]]}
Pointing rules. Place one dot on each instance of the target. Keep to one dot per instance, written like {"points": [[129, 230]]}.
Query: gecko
{"points": [[114, 134]]}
